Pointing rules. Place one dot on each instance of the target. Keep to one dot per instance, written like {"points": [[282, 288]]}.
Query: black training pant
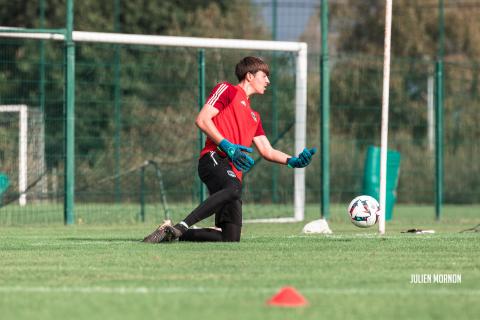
{"points": [[225, 201]]}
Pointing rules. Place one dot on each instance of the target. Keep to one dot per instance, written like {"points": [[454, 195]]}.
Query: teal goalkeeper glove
{"points": [[303, 159], [240, 160]]}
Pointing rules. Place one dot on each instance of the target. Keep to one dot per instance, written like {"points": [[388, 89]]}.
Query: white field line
{"points": [[151, 290]]}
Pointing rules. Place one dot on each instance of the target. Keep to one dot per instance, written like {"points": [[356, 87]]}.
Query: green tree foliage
{"points": [[415, 28], [415, 45]]}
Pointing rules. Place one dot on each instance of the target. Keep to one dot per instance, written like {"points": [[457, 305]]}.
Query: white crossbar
{"points": [[152, 40]]}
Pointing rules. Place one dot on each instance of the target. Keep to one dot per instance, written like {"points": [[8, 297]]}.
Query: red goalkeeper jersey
{"points": [[236, 121]]}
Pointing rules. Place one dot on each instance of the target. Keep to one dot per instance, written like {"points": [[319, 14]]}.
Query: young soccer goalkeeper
{"points": [[231, 126]]}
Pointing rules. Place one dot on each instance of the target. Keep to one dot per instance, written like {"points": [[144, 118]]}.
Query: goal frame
{"points": [[22, 111], [299, 48]]}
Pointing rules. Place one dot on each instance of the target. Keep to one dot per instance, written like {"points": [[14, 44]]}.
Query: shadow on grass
{"points": [[103, 239]]}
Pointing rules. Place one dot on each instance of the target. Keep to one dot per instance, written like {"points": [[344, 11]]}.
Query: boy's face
{"points": [[260, 82]]}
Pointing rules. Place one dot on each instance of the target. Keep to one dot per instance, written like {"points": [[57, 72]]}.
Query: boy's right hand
{"points": [[240, 160]]}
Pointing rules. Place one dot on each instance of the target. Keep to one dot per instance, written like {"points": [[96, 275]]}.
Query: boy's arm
{"points": [[274, 155], [205, 123], [268, 152]]}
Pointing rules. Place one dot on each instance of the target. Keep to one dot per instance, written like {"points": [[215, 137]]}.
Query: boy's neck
{"points": [[245, 85]]}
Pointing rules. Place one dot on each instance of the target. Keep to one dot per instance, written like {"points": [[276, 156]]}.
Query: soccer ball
{"points": [[364, 211]]}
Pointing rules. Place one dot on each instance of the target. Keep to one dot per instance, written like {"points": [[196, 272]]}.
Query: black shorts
{"points": [[217, 174]]}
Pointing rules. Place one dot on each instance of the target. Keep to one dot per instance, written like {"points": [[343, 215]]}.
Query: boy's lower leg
{"points": [[229, 233], [215, 201]]}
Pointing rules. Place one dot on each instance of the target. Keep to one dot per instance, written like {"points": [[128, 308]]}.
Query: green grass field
{"points": [[103, 271]]}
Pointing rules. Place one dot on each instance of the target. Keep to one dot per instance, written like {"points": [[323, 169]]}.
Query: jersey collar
{"points": [[243, 92]]}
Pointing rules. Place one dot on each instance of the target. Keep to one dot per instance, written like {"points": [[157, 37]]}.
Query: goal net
{"points": [[136, 100]]}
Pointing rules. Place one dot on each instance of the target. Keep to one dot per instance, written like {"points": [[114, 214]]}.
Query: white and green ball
{"points": [[364, 211]]}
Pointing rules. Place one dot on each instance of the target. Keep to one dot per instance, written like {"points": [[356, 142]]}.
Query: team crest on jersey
{"points": [[243, 103], [254, 116]]}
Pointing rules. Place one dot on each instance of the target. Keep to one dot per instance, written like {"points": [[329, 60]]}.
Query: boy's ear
{"points": [[250, 76]]}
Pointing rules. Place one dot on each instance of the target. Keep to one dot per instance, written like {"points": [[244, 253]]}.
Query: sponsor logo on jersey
{"points": [[231, 173], [254, 116]]}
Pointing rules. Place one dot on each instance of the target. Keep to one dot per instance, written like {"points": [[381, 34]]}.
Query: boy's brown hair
{"points": [[252, 65]]}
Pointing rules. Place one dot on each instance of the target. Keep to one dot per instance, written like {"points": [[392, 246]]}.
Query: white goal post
{"points": [[384, 127], [300, 48]]}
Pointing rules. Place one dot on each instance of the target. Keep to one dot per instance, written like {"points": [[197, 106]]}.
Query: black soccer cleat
{"points": [[159, 234], [172, 233]]}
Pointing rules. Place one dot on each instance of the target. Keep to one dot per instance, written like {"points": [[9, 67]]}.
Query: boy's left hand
{"points": [[303, 159]]}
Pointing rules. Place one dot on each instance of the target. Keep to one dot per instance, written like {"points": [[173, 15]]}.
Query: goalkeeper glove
{"points": [[303, 159], [240, 160]]}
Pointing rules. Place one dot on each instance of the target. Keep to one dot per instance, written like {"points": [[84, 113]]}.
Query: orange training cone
{"points": [[287, 297]]}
